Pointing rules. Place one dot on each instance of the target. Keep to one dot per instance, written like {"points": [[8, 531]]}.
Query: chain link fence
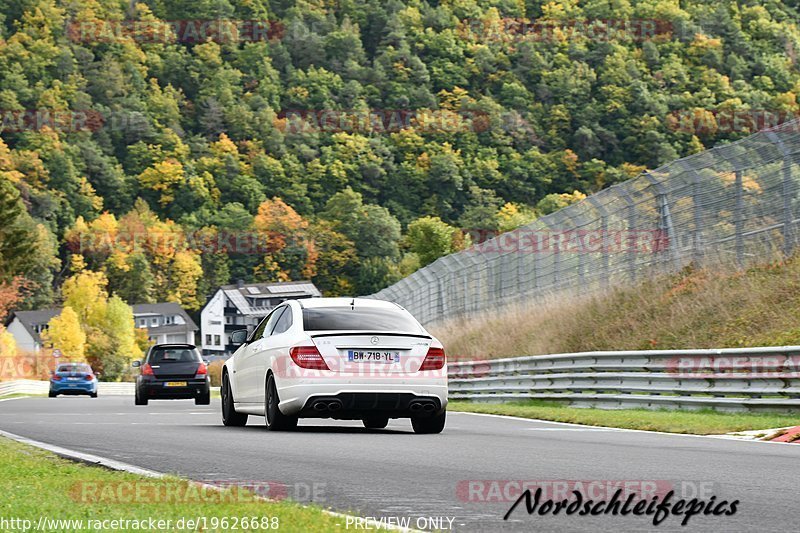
{"points": [[731, 206]]}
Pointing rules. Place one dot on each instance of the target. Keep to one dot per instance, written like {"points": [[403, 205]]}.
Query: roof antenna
{"points": [[353, 304]]}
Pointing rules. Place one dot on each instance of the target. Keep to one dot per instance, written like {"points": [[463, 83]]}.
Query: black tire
{"points": [[51, 394], [138, 399], [376, 422], [93, 395], [203, 399], [429, 424], [276, 421], [229, 415]]}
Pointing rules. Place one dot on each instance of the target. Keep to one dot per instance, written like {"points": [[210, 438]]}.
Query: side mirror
{"points": [[239, 337], [136, 364]]}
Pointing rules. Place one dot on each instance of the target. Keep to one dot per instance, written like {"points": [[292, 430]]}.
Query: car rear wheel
{"points": [[93, 394], [376, 422], [138, 399], [51, 394], [430, 424], [276, 421], [229, 415]]}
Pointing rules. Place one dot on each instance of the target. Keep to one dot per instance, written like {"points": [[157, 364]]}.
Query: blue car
{"points": [[73, 378]]}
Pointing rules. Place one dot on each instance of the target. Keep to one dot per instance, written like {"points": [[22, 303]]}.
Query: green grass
{"points": [[704, 422], [36, 483]]}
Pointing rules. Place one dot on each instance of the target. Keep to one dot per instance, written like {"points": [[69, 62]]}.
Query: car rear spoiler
{"points": [[360, 332]]}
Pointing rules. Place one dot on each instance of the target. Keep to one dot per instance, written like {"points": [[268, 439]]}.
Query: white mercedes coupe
{"points": [[340, 358]]}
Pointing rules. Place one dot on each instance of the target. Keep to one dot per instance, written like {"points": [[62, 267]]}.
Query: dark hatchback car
{"points": [[172, 372]]}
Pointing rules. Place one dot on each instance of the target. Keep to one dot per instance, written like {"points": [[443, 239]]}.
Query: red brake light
{"points": [[434, 360], [147, 370], [202, 370], [90, 377], [56, 377], [307, 357]]}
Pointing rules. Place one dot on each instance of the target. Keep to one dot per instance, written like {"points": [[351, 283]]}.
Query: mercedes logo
{"points": [[374, 340]]}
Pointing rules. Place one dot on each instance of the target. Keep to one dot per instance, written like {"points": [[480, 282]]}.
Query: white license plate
{"points": [[175, 384], [367, 356], [73, 379]]}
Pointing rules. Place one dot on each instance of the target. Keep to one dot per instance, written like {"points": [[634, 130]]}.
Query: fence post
{"points": [[631, 216], [788, 219], [604, 232], [738, 220], [665, 217]]}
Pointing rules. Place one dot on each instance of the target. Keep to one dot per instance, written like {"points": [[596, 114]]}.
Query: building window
{"points": [[169, 319], [216, 340], [154, 321], [208, 339], [142, 322], [229, 320]]}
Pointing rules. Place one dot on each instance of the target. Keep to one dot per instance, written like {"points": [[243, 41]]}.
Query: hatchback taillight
{"points": [[56, 377], [202, 370], [434, 360], [90, 377], [147, 370], [308, 357]]}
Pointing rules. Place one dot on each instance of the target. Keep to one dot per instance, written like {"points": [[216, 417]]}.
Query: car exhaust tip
{"points": [[429, 407], [416, 406], [320, 406], [335, 406]]}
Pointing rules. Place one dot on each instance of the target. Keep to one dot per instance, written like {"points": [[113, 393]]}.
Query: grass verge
{"points": [[35, 483], [704, 422]]}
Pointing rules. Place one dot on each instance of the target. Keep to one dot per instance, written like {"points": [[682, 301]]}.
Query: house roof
{"points": [[30, 318], [165, 308], [238, 294]]}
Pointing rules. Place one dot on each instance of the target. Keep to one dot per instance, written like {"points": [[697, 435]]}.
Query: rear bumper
{"points": [[381, 397], [155, 389], [73, 387]]}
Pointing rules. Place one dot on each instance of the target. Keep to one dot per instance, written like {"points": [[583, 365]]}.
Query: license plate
{"points": [[364, 356], [175, 384], [73, 379]]}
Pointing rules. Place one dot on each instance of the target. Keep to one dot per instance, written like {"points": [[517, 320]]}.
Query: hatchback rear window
{"points": [[85, 369], [176, 354], [367, 319]]}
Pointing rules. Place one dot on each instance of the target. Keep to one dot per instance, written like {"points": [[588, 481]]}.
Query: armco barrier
{"points": [[741, 379]]}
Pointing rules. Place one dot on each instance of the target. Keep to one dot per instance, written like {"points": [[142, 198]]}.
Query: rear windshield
{"points": [[84, 369], [367, 319], [174, 354]]}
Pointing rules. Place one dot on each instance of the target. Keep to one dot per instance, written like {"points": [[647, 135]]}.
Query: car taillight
{"points": [[56, 378], [147, 370], [434, 360], [90, 377], [202, 370], [307, 357]]}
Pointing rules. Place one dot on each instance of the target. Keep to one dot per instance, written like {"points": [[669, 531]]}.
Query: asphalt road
{"points": [[396, 473]]}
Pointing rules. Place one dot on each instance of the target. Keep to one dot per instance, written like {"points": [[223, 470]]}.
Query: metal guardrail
{"points": [[740, 379]]}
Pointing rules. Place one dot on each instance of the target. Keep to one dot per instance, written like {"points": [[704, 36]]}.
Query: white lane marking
{"points": [[133, 469], [538, 421]]}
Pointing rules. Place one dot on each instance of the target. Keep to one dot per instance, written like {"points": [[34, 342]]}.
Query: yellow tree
{"points": [[86, 294], [164, 178], [64, 332]]}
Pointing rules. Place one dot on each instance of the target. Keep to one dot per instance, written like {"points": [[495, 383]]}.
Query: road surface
{"points": [[395, 473]]}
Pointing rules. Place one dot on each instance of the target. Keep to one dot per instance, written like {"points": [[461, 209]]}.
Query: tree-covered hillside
{"points": [[352, 138]]}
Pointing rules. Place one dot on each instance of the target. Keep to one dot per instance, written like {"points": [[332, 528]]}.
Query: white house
{"points": [[165, 322], [242, 306], [26, 327]]}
